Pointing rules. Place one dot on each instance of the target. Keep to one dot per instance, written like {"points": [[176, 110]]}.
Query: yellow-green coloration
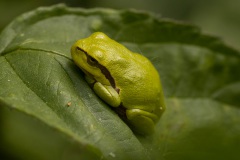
{"points": [[122, 79]]}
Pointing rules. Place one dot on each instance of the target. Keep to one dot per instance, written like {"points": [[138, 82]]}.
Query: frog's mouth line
{"points": [[105, 74], [86, 72]]}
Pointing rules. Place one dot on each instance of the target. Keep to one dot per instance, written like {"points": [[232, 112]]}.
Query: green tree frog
{"points": [[125, 80]]}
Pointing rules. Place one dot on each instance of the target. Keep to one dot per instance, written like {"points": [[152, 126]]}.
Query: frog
{"points": [[125, 80]]}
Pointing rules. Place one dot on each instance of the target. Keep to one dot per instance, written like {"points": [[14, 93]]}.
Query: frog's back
{"points": [[140, 87]]}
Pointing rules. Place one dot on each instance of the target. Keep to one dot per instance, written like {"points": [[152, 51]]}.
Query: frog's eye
{"points": [[92, 61]]}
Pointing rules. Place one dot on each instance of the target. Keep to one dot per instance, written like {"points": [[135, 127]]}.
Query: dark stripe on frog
{"points": [[103, 69]]}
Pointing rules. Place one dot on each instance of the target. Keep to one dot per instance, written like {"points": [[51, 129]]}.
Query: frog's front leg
{"points": [[105, 92], [142, 121]]}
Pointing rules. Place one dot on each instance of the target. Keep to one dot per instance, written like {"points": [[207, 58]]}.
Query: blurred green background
{"points": [[216, 17]]}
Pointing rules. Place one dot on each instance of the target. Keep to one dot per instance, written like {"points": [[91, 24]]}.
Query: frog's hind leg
{"points": [[141, 121]]}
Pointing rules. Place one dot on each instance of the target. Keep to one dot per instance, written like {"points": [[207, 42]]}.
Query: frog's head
{"points": [[96, 54]]}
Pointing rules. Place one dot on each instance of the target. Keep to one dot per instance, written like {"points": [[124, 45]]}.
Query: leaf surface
{"points": [[45, 100]]}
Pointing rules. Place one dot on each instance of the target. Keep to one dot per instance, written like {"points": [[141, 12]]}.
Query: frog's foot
{"points": [[142, 122], [107, 93], [90, 80]]}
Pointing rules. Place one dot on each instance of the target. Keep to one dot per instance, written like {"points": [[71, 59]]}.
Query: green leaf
{"points": [[47, 107]]}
